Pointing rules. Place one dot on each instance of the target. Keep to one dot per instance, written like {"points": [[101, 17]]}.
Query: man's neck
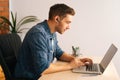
{"points": [[51, 25]]}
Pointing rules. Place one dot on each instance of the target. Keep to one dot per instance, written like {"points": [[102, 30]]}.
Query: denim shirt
{"points": [[37, 52]]}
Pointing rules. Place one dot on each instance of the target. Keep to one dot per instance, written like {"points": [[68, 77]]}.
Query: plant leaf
{"points": [[6, 21], [14, 20], [26, 20], [20, 30]]}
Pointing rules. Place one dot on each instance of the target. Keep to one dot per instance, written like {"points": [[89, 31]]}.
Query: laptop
{"points": [[98, 68]]}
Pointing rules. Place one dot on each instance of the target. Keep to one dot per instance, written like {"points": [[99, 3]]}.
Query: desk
{"points": [[109, 74]]}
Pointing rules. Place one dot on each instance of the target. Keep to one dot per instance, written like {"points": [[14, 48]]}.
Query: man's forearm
{"points": [[71, 62], [54, 67], [66, 57]]}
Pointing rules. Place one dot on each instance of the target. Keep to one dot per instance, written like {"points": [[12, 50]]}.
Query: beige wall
{"points": [[95, 26]]}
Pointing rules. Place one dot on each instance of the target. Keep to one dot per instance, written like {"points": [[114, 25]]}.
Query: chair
{"points": [[9, 46]]}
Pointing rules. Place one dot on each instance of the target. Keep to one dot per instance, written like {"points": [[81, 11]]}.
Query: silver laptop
{"points": [[98, 68]]}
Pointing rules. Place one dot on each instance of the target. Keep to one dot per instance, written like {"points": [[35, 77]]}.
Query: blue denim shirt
{"points": [[36, 52]]}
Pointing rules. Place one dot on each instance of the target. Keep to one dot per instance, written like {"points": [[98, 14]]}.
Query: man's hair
{"points": [[60, 10]]}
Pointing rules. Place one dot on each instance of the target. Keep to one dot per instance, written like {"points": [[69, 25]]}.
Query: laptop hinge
{"points": [[101, 68]]}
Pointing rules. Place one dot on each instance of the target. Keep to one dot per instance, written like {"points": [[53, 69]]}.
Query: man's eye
{"points": [[68, 22]]}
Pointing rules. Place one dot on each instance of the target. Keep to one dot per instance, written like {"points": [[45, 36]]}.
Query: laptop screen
{"points": [[108, 56]]}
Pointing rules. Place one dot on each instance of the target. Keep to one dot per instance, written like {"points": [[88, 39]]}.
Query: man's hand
{"points": [[87, 61], [76, 63]]}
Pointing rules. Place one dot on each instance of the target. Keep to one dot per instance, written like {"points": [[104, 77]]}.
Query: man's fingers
{"points": [[87, 60]]}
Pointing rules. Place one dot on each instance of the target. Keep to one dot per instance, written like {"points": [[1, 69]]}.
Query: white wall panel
{"points": [[95, 26]]}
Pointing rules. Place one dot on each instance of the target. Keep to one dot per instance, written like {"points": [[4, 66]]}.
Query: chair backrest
{"points": [[9, 46]]}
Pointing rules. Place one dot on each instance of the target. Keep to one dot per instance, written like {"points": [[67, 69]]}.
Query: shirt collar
{"points": [[48, 29]]}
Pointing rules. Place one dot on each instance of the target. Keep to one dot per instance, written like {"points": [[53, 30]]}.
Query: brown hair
{"points": [[61, 10]]}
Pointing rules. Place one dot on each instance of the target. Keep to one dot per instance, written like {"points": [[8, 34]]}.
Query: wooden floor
{"points": [[2, 77]]}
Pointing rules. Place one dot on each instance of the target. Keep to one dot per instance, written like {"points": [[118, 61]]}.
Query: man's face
{"points": [[64, 24]]}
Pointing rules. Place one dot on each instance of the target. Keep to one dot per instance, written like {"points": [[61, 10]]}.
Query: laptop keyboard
{"points": [[89, 68], [92, 67]]}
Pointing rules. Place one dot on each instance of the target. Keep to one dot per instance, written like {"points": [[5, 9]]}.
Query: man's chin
{"points": [[60, 32]]}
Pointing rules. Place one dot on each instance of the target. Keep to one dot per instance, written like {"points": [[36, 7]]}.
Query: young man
{"points": [[40, 46]]}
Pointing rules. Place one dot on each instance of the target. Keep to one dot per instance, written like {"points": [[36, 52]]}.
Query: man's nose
{"points": [[68, 27]]}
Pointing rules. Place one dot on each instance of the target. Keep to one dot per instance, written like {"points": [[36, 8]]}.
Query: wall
{"points": [[94, 27], [4, 11], [4, 8]]}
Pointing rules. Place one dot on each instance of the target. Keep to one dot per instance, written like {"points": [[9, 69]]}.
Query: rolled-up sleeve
{"points": [[59, 51]]}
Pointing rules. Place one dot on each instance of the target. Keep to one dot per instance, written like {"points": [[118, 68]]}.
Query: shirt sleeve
{"points": [[38, 49], [59, 51]]}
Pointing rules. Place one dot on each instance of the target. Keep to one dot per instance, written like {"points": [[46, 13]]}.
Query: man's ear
{"points": [[57, 19]]}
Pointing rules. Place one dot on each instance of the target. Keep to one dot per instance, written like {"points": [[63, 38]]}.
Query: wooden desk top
{"points": [[109, 74]]}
